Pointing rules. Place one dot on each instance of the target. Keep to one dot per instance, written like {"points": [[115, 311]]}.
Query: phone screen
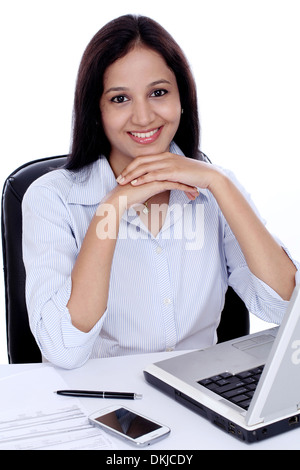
{"points": [[128, 423]]}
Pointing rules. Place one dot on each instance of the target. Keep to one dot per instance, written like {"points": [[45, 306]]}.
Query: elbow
{"points": [[65, 359], [56, 352]]}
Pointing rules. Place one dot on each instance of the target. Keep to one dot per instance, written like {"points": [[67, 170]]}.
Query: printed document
{"points": [[45, 420]]}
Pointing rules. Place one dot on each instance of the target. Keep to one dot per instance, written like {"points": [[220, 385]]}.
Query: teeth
{"points": [[144, 135]]}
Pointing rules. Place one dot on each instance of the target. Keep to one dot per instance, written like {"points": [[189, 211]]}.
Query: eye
{"points": [[119, 99], [158, 93]]}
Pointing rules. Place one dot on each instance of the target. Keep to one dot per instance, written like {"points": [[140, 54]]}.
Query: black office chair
{"points": [[21, 345]]}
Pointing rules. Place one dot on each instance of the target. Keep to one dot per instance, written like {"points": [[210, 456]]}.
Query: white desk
{"points": [[189, 431]]}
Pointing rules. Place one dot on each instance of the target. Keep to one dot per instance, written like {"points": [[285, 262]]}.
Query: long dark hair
{"points": [[112, 42]]}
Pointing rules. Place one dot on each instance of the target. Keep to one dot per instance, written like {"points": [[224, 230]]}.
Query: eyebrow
{"points": [[121, 88]]}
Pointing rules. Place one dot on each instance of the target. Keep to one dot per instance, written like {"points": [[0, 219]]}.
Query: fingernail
{"points": [[133, 181], [120, 179]]}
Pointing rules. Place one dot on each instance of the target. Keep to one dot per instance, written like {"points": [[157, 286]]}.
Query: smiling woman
{"points": [[104, 52], [145, 117], [93, 292]]}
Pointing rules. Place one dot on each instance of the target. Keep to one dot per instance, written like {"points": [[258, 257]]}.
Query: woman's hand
{"points": [[168, 167], [264, 256], [136, 194]]}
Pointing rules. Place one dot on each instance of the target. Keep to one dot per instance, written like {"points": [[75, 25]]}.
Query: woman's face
{"points": [[140, 106]]}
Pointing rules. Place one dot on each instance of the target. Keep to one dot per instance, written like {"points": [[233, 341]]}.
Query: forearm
{"points": [[91, 272], [264, 256]]}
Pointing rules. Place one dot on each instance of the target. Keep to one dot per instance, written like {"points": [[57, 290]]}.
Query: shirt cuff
{"points": [[271, 291], [73, 337]]}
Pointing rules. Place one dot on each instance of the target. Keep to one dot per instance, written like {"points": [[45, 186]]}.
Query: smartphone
{"points": [[129, 425]]}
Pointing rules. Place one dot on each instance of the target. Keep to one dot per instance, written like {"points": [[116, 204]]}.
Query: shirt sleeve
{"points": [[260, 299], [49, 253]]}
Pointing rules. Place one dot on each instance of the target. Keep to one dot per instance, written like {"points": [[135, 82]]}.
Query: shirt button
{"points": [[158, 250], [167, 301]]}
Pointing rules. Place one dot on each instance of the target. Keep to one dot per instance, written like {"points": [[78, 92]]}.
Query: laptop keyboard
{"points": [[238, 388]]}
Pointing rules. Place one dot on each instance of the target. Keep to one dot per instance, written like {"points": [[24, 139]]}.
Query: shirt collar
{"points": [[91, 184]]}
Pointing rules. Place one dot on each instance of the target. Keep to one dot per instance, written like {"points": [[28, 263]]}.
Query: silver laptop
{"points": [[249, 387]]}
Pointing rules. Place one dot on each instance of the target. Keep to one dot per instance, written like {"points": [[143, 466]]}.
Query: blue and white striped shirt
{"points": [[166, 292]]}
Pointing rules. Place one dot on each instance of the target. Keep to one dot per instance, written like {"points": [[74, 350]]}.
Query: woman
{"points": [[132, 246]]}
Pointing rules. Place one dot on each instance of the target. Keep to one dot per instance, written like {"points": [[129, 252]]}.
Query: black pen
{"points": [[99, 394]]}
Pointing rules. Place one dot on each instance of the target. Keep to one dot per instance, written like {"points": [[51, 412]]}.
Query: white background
{"points": [[245, 58]]}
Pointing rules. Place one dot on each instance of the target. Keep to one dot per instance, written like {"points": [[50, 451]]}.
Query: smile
{"points": [[146, 137], [143, 135]]}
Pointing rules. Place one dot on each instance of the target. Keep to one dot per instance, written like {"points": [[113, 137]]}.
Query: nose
{"points": [[142, 113]]}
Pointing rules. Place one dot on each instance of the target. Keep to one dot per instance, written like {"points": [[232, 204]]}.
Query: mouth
{"points": [[146, 137]]}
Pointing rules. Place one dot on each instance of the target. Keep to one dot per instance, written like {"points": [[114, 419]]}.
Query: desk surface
{"points": [[189, 431]]}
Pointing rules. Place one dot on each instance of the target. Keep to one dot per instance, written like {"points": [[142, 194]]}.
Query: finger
{"points": [[159, 174], [141, 165], [192, 195], [136, 162], [191, 191], [145, 173], [136, 195]]}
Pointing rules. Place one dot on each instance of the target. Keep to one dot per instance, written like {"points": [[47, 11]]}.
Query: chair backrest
{"points": [[21, 345]]}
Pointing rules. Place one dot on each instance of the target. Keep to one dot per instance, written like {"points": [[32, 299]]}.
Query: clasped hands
{"points": [[152, 174]]}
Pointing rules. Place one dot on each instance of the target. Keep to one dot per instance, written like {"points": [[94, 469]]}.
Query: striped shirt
{"points": [[166, 292]]}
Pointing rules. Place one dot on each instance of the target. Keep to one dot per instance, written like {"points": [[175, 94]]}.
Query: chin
{"points": [[152, 150]]}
